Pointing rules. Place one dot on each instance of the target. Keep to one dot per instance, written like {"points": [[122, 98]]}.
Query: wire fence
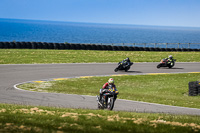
{"points": [[156, 45]]}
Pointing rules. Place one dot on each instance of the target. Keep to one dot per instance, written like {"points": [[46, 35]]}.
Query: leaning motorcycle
{"points": [[166, 63], [123, 66], [108, 98]]}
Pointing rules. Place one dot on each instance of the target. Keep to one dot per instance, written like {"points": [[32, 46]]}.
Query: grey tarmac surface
{"points": [[14, 74]]}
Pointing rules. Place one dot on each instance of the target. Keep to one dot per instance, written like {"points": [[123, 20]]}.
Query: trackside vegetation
{"points": [[168, 89], [18, 118], [36, 56]]}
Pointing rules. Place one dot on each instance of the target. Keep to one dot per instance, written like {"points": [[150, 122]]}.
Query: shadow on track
{"points": [[170, 68], [134, 72], [176, 68], [122, 71]]}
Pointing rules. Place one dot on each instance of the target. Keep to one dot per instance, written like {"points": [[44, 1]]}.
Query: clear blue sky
{"points": [[139, 12]]}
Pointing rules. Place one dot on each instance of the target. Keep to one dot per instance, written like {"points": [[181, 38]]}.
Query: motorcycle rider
{"points": [[126, 61], [170, 60], [106, 87]]}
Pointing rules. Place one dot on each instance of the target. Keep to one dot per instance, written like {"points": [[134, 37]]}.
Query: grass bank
{"points": [[17, 118], [32, 56], [169, 89]]}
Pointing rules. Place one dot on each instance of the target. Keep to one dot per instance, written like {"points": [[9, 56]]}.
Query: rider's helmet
{"points": [[127, 59], [170, 56], [111, 81]]}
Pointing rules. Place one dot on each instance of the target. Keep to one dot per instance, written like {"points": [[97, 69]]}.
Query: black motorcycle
{"points": [[108, 98], [166, 63], [123, 66]]}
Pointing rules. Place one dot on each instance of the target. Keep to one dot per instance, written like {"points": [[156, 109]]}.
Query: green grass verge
{"points": [[17, 118], [32, 56], [166, 89], [169, 89]]}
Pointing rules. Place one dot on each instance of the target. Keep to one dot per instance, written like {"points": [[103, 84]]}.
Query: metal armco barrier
{"points": [[74, 46]]}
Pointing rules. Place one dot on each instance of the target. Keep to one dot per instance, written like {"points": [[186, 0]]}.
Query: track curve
{"points": [[14, 74]]}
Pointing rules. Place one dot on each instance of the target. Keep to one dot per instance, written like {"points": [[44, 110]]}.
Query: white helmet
{"points": [[110, 81], [170, 56]]}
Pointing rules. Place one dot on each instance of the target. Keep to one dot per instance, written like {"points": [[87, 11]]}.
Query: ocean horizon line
{"points": [[97, 23], [26, 30]]}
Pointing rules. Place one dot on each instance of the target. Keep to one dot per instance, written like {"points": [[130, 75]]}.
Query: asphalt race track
{"points": [[14, 74]]}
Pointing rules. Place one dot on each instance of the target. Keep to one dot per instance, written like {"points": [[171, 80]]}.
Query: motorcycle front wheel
{"points": [[126, 69], [170, 66], [110, 104], [158, 66]]}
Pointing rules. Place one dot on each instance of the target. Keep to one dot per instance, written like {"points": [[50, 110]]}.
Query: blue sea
{"points": [[74, 32]]}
